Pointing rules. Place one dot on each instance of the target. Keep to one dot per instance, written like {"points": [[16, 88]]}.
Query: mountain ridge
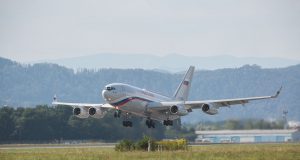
{"points": [[171, 62], [29, 85]]}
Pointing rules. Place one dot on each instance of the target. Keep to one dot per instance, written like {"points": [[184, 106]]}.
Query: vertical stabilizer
{"points": [[182, 91]]}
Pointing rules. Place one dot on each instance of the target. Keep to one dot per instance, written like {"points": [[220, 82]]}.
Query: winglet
{"points": [[277, 93]]}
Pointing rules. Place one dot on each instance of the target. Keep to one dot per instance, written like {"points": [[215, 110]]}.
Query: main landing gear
{"points": [[168, 122], [127, 123], [150, 123]]}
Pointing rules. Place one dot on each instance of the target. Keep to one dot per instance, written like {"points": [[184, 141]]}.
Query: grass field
{"points": [[290, 151]]}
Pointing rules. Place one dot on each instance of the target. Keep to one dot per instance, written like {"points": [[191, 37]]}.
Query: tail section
{"points": [[182, 91]]}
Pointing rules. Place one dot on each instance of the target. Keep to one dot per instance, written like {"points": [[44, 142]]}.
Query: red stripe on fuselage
{"points": [[125, 101]]}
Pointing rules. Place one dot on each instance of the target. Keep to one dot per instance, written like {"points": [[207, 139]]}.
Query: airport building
{"points": [[248, 136]]}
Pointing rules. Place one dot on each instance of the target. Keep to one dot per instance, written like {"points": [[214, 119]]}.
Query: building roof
{"points": [[224, 132]]}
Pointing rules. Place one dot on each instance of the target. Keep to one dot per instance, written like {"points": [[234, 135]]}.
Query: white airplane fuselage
{"points": [[130, 99]]}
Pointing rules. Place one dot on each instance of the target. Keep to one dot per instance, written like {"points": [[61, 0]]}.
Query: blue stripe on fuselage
{"points": [[126, 100]]}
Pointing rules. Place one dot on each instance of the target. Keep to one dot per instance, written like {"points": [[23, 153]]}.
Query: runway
{"points": [[53, 146], [100, 145]]}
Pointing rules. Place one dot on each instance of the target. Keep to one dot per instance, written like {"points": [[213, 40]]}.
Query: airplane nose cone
{"points": [[105, 95]]}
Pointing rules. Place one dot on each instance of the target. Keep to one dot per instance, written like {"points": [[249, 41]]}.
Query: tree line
{"points": [[47, 124]]}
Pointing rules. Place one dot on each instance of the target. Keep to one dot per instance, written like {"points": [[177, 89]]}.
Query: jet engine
{"points": [[209, 109], [97, 112], [178, 110], [80, 112]]}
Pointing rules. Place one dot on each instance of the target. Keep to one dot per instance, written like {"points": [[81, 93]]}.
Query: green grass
{"points": [[290, 151]]}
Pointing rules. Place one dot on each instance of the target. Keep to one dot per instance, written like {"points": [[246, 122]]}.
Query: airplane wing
{"points": [[83, 104], [84, 110], [215, 103], [88, 105], [227, 102]]}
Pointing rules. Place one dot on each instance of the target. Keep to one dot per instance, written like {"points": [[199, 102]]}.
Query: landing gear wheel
{"points": [[150, 123], [127, 123], [168, 122], [117, 114]]}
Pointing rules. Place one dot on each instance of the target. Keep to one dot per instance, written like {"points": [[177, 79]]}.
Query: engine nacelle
{"points": [[97, 112], [209, 109], [178, 110], [80, 112]]}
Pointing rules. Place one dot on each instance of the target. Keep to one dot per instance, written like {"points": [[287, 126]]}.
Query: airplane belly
{"points": [[161, 116], [136, 106]]}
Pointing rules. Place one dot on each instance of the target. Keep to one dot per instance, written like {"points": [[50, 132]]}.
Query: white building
{"points": [[294, 124], [247, 136]]}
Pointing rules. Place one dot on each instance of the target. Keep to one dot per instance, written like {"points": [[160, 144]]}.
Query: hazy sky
{"points": [[38, 29]]}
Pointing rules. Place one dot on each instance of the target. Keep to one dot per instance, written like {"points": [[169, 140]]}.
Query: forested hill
{"points": [[29, 85]]}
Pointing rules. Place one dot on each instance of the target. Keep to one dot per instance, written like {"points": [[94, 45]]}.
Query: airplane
{"points": [[129, 100]]}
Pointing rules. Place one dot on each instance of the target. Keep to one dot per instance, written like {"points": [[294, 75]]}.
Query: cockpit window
{"points": [[110, 88]]}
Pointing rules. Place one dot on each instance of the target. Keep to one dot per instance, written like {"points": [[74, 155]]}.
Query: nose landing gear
{"points": [[127, 122], [117, 114]]}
